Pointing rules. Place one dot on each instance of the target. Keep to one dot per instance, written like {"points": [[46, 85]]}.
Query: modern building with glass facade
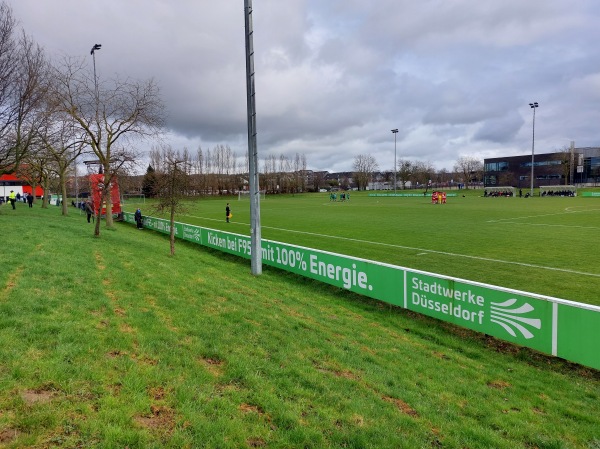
{"points": [[580, 167]]}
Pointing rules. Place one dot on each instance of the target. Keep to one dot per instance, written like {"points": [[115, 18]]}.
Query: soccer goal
{"points": [[499, 191], [133, 198], [245, 195]]}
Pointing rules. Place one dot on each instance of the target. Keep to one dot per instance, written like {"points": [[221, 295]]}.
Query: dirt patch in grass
{"points": [[498, 384], [99, 263], [115, 389], [31, 397], [358, 420], [401, 405], [214, 366], [248, 408], [157, 393], [9, 435], [346, 374], [160, 418], [144, 360], [11, 282], [116, 353], [98, 312], [256, 442], [126, 329], [222, 389]]}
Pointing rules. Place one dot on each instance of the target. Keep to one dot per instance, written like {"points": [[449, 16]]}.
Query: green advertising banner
{"points": [[554, 326], [506, 314], [578, 328], [591, 194], [353, 274]]}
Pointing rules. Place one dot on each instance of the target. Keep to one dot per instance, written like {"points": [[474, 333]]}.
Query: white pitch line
{"points": [[555, 225], [423, 250], [568, 210]]}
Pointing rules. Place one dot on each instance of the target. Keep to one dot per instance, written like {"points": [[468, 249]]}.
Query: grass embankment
{"points": [[112, 343]]}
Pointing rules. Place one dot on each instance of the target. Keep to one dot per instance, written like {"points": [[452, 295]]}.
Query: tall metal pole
{"points": [[395, 131], [533, 106], [255, 233], [93, 53]]}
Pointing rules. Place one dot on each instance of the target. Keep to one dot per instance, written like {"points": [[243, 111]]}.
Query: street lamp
{"points": [[93, 53], [395, 131], [533, 106]]}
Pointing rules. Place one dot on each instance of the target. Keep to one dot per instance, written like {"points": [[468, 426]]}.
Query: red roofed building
{"points": [[10, 182]]}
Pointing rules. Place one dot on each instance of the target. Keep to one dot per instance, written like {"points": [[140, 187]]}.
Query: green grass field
{"points": [[546, 245], [111, 343]]}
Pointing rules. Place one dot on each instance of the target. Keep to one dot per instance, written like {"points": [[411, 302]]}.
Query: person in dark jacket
{"points": [[89, 210], [138, 218]]}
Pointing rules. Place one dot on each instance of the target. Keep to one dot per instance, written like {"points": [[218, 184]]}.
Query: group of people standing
{"points": [[344, 196], [438, 197], [14, 197]]}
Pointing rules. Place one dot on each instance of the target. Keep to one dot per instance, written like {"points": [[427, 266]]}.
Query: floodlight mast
{"points": [[93, 53], [255, 231], [533, 106], [395, 131]]}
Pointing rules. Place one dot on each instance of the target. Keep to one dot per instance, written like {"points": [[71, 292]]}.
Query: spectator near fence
{"points": [[138, 218]]}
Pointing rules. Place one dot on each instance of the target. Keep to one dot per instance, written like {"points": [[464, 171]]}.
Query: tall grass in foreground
{"points": [[112, 343]]}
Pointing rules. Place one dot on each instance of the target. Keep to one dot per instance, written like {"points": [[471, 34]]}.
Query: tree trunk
{"points": [[63, 189], [172, 234], [107, 192], [46, 190]]}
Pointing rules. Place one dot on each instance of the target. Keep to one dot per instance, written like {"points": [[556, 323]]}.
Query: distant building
{"points": [[10, 182], [549, 169]]}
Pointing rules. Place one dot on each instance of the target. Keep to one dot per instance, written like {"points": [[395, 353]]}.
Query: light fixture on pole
{"points": [[533, 106], [395, 131]]}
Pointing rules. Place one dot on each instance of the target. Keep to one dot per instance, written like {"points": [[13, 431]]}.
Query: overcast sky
{"points": [[334, 77]]}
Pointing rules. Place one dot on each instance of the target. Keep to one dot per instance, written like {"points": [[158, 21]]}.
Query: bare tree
{"points": [[62, 146], [172, 182], [110, 117], [318, 180], [469, 168], [38, 169], [423, 172], [23, 76], [270, 170], [364, 166], [568, 163], [404, 172]]}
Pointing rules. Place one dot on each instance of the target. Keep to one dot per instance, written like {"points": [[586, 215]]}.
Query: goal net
{"points": [[245, 195], [133, 198]]}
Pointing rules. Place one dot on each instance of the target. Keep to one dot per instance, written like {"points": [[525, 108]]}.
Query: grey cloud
{"points": [[334, 77]]}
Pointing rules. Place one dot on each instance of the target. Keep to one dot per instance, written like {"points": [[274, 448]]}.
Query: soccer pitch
{"points": [[539, 245]]}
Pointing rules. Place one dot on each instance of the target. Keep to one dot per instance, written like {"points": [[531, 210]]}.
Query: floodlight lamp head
{"points": [[534, 105], [395, 130], [95, 47]]}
